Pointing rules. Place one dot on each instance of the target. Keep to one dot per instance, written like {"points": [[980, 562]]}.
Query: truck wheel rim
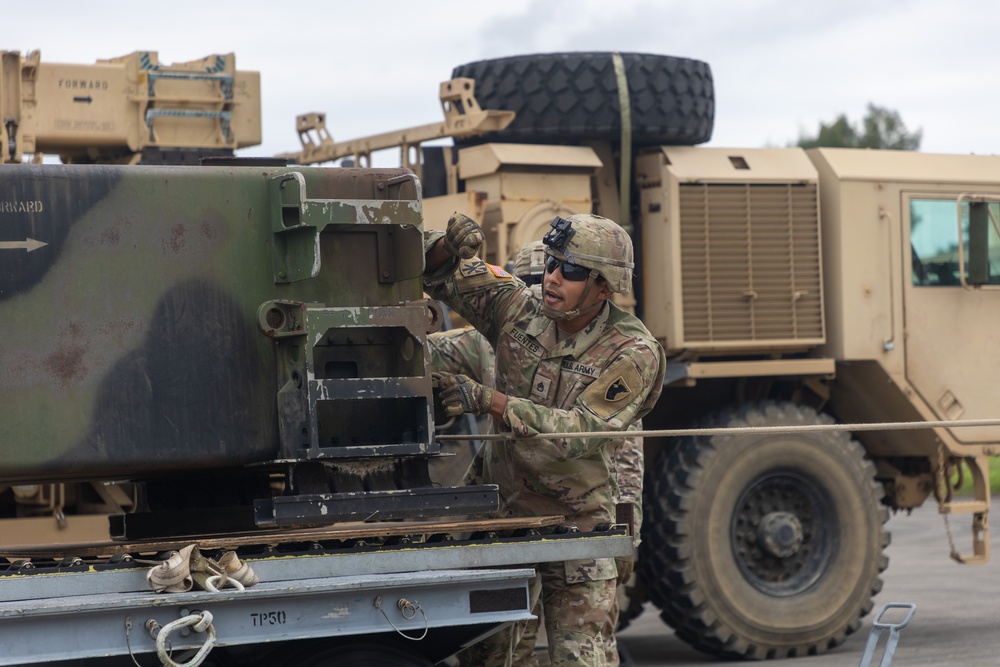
{"points": [[782, 532]]}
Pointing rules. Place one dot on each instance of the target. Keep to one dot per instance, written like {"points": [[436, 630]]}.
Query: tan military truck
{"points": [[790, 288], [126, 110]]}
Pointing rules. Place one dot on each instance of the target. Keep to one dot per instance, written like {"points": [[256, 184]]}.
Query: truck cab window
{"points": [[934, 243]]}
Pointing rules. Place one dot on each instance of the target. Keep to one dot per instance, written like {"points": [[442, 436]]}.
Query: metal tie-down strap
{"points": [[878, 627]]}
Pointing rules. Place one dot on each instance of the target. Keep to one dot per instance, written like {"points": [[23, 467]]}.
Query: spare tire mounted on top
{"points": [[575, 96]]}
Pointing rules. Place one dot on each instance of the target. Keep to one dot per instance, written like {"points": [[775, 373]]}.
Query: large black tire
{"points": [[574, 97], [764, 546]]}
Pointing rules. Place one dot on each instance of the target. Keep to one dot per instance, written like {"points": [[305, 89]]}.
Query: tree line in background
{"points": [[880, 128]]}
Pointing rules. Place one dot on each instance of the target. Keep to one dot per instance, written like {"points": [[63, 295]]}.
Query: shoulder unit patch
{"points": [[619, 390], [617, 387], [472, 267]]}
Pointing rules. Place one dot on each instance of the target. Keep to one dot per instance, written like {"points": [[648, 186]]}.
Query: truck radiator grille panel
{"points": [[750, 265]]}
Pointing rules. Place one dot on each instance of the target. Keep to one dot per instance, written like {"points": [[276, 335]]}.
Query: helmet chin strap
{"points": [[562, 315]]}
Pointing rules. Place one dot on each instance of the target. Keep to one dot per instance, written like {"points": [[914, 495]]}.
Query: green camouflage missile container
{"points": [[162, 320]]}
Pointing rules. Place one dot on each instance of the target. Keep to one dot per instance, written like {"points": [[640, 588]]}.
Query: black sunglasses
{"points": [[570, 271]]}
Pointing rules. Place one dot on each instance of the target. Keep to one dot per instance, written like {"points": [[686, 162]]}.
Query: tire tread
{"points": [[574, 96], [665, 557]]}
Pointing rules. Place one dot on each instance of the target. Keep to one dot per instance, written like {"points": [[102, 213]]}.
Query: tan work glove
{"points": [[463, 237], [460, 393]]}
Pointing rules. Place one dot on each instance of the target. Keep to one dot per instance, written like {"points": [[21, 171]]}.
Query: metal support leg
{"points": [[877, 629]]}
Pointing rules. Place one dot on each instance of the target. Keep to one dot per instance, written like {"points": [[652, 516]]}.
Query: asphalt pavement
{"points": [[957, 618]]}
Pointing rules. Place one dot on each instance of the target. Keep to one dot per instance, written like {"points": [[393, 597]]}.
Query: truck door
{"points": [[952, 329]]}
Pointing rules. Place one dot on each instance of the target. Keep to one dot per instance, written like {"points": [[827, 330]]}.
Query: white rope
{"points": [[199, 623], [735, 430]]}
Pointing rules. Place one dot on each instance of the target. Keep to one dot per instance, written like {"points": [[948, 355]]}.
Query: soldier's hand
{"points": [[463, 237], [460, 394]]}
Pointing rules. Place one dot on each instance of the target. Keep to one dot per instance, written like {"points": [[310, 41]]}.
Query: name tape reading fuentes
{"points": [[27, 244]]}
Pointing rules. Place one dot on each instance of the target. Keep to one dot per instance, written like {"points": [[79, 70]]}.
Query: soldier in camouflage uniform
{"points": [[463, 351], [529, 264], [467, 351], [567, 360]]}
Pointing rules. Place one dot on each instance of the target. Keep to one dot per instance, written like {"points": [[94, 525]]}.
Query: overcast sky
{"points": [[780, 66]]}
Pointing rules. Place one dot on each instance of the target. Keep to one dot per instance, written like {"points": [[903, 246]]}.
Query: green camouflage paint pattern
{"points": [[150, 233]]}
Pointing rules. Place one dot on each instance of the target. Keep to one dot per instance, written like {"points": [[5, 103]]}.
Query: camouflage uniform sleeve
{"points": [[624, 392], [629, 466], [463, 351], [484, 294]]}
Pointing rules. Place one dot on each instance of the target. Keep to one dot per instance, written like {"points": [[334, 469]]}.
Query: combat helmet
{"points": [[529, 264], [596, 243]]}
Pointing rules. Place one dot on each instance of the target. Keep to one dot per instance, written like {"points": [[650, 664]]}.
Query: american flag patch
{"points": [[498, 272]]}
